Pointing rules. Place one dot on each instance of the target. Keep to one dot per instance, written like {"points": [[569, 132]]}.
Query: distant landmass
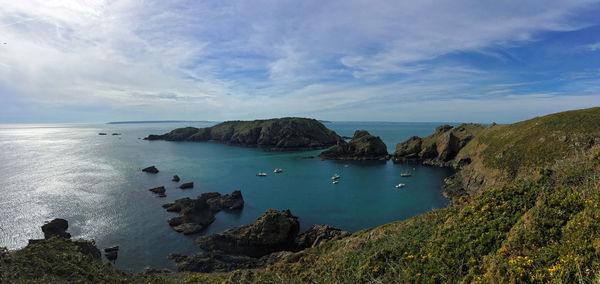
{"points": [[156, 121], [288, 133]]}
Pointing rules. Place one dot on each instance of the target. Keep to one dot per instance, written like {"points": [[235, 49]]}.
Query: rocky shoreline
{"points": [[443, 149]]}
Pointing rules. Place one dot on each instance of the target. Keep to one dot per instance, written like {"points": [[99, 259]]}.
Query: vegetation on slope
{"points": [[542, 225], [541, 230]]}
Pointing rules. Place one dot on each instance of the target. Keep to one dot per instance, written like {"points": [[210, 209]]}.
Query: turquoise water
{"points": [[69, 171]]}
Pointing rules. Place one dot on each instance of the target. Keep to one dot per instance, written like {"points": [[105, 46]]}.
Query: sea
{"points": [[96, 183]]}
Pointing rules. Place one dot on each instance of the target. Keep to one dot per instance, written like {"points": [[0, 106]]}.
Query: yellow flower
{"points": [[411, 256]]}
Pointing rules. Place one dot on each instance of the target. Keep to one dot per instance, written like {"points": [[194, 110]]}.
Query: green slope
{"points": [[543, 226]]}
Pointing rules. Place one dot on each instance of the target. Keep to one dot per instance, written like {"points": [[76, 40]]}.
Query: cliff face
{"points": [[439, 149], [363, 146], [272, 134], [490, 156]]}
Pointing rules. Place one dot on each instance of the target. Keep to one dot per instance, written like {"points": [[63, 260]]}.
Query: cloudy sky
{"points": [[481, 61]]}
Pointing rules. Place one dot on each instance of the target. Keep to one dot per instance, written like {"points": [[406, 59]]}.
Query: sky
{"points": [[452, 61]]}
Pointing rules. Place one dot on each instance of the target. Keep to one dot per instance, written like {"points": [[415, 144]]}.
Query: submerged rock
{"points": [[363, 146], [151, 170], [159, 190], [196, 214], [187, 185], [175, 178], [288, 133], [57, 227]]}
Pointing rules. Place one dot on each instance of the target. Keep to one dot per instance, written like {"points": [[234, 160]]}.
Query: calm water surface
{"points": [[95, 182]]}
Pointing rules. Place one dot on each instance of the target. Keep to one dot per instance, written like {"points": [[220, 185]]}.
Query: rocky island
{"points": [[290, 133], [196, 214], [362, 146]]}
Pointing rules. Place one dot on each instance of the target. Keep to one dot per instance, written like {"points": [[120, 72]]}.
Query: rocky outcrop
{"points": [[272, 237], [443, 149], [150, 170], [196, 214], [159, 190], [57, 227], [318, 234], [206, 262], [187, 185], [439, 149], [111, 253], [363, 146], [273, 231], [272, 134], [175, 178]]}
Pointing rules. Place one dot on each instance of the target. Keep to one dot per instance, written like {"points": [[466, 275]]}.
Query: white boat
{"points": [[335, 182], [277, 171], [405, 174], [335, 176], [400, 185], [261, 174], [345, 166]]}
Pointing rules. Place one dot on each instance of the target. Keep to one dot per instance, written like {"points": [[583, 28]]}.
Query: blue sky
{"points": [[463, 61]]}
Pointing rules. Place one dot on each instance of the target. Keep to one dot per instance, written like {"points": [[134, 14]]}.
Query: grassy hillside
{"points": [[529, 144], [542, 224]]}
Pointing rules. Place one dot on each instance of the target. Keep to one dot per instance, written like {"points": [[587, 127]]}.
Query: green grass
{"points": [[531, 144]]}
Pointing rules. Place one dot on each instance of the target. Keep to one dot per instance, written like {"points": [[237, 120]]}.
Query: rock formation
{"points": [[175, 178], [150, 170], [197, 214], [57, 227], [111, 253], [272, 134], [272, 237], [273, 231], [187, 185], [363, 146], [318, 234], [159, 190], [440, 148]]}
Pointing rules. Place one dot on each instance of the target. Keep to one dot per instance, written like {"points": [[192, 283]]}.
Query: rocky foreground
{"points": [[271, 134], [271, 238]]}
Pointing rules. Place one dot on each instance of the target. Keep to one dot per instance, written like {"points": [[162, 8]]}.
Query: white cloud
{"points": [[592, 47], [255, 58]]}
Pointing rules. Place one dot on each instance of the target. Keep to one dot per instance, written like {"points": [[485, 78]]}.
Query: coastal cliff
{"points": [[488, 156], [290, 133], [362, 146], [532, 214]]}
